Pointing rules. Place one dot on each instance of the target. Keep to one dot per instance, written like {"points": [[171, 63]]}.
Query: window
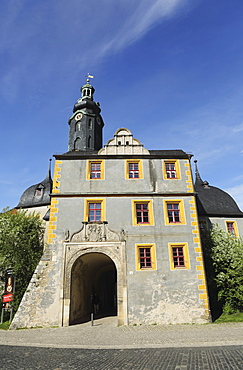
{"points": [[89, 141], [142, 212], [174, 212], [38, 192], [95, 170], [232, 228], [171, 169], [203, 225], [145, 257], [94, 210], [134, 169], [179, 257], [78, 126]]}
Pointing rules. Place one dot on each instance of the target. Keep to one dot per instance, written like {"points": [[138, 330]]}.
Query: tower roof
{"points": [[38, 194], [212, 201]]}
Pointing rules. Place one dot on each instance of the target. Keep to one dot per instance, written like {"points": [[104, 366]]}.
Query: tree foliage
{"points": [[21, 246], [224, 265]]}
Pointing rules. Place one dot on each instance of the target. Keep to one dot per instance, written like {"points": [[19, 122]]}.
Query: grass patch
{"points": [[234, 317], [5, 325]]}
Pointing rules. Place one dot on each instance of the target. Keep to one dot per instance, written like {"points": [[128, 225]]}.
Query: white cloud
{"points": [[238, 128], [57, 36], [141, 18]]}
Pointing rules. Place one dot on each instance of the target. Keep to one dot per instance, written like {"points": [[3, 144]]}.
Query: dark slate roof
{"points": [[168, 154], [212, 201], [30, 198], [171, 154]]}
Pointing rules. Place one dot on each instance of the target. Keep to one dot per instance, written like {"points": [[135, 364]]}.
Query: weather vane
{"points": [[88, 77]]}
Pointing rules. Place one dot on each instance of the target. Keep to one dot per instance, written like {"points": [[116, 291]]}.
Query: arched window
{"points": [[77, 144], [77, 126], [89, 141], [90, 124]]}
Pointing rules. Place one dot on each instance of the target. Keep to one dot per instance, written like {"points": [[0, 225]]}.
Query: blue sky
{"points": [[168, 70]]}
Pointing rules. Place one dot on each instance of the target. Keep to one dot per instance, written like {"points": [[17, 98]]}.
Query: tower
{"points": [[86, 123]]}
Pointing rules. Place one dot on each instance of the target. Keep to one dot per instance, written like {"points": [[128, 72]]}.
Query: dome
{"points": [[37, 195], [213, 201]]}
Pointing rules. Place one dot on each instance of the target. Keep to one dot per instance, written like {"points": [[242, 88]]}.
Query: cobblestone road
{"points": [[214, 358], [106, 346]]}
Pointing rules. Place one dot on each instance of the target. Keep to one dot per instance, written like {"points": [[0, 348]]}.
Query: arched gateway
{"points": [[90, 269], [93, 278]]}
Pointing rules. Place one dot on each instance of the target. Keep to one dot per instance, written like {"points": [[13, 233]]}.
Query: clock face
{"points": [[78, 116]]}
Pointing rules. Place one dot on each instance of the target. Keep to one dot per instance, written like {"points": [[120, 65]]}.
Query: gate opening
{"points": [[93, 275]]}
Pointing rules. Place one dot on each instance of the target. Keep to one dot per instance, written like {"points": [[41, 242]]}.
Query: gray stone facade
{"points": [[106, 255]]}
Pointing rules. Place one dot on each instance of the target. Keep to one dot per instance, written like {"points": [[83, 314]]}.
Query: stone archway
{"points": [[80, 278], [93, 274]]}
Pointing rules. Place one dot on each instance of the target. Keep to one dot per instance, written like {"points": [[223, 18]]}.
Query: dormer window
{"points": [[39, 191]]}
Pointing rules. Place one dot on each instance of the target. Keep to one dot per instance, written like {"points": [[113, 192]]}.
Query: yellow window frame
{"points": [[235, 227], [102, 169], [94, 200], [150, 212], [185, 253], [181, 209], [177, 168], [140, 168], [152, 253]]}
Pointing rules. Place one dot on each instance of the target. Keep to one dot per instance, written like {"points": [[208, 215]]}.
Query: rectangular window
{"points": [[232, 228], [145, 257], [95, 170], [174, 212], [38, 192], [171, 169], [94, 210], [142, 212], [134, 169], [179, 256]]}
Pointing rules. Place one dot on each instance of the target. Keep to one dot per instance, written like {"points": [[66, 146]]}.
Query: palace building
{"points": [[124, 224]]}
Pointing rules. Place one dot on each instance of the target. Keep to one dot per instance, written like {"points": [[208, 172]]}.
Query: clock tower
{"points": [[86, 123]]}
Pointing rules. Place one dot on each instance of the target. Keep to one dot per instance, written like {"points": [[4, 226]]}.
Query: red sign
{"points": [[7, 298]]}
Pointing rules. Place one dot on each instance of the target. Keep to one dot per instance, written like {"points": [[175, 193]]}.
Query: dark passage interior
{"points": [[93, 274]]}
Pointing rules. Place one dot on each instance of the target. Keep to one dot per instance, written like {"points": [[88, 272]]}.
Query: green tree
{"points": [[223, 255], [21, 247]]}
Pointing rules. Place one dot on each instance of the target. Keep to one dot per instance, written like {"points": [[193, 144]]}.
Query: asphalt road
{"points": [[204, 358]]}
